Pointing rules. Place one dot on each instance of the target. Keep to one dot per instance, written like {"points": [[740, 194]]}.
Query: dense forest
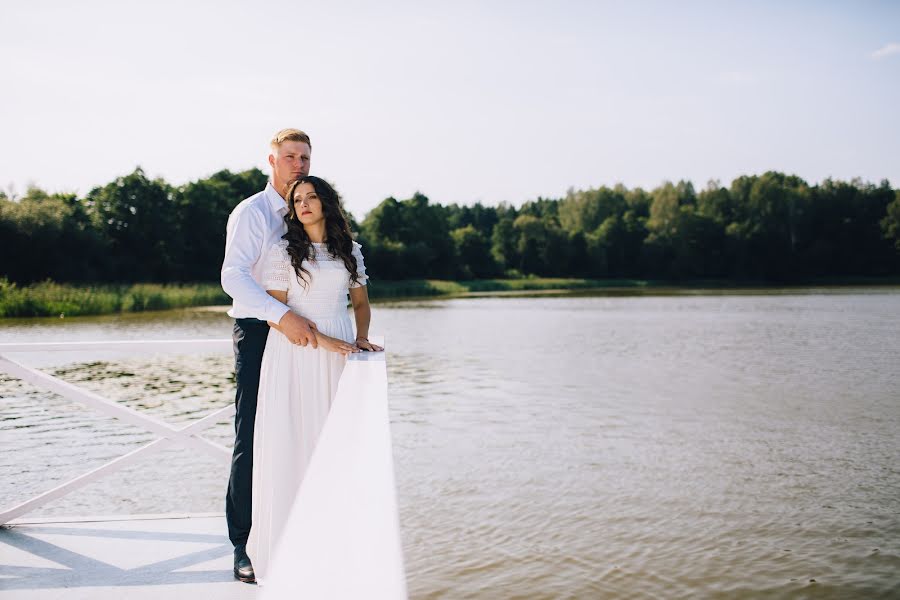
{"points": [[771, 227]]}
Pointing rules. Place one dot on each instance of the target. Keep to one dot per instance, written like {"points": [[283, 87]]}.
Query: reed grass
{"points": [[438, 287], [50, 299]]}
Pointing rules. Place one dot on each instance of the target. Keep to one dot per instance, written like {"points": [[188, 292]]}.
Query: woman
{"points": [[311, 270]]}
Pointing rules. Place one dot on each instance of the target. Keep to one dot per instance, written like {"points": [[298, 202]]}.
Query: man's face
{"points": [[289, 161]]}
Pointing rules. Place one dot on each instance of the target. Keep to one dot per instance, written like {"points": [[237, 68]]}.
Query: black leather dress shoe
{"points": [[243, 569]]}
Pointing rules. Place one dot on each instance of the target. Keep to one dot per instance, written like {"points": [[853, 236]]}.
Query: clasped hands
{"points": [[302, 331]]}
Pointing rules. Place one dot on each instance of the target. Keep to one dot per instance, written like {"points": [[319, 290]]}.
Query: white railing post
{"points": [[342, 537]]}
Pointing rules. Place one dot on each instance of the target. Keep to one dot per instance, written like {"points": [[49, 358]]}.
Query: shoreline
{"points": [[52, 300]]}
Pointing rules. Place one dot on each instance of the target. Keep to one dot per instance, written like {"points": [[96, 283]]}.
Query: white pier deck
{"points": [[157, 556], [344, 537]]}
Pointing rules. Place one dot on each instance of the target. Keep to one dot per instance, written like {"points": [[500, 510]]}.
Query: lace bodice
{"points": [[323, 294]]}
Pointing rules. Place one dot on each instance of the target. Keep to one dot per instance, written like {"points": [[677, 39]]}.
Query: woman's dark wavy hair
{"points": [[338, 238]]}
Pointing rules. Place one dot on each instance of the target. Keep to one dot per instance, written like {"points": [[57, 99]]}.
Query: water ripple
{"points": [[729, 446]]}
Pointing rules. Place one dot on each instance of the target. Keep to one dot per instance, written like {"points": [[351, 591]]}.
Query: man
{"points": [[253, 226]]}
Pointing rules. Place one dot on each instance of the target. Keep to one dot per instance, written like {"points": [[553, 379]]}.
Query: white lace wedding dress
{"points": [[296, 388]]}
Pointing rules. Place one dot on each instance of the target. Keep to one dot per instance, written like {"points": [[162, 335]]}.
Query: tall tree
{"points": [[890, 224], [473, 254], [411, 234], [138, 217]]}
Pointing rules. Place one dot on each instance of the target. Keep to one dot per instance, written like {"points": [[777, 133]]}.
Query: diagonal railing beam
{"points": [[117, 464], [82, 480], [114, 409], [186, 435]]}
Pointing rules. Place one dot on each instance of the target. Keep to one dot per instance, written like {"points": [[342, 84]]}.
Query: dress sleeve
{"points": [[360, 267], [278, 267]]}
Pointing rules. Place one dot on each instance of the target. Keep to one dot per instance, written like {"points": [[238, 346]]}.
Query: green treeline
{"points": [[771, 227], [134, 229]]}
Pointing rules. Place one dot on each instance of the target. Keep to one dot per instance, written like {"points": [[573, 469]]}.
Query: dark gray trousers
{"points": [[249, 337]]}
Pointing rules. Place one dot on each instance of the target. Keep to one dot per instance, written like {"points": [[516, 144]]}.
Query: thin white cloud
{"points": [[886, 50]]}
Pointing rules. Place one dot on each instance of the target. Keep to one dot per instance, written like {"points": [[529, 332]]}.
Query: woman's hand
{"points": [[335, 345], [366, 345]]}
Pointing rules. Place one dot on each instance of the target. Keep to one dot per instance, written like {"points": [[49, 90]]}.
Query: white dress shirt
{"points": [[253, 226]]}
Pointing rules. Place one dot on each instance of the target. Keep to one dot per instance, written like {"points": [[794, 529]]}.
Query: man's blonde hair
{"points": [[289, 135]]}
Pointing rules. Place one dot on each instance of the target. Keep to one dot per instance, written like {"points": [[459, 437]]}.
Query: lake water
{"points": [[731, 445]]}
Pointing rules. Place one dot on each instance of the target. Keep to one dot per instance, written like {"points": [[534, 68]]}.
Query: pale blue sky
{"points": [[464, 101]]}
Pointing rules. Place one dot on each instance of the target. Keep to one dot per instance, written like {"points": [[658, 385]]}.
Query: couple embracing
{"points": [[290, 262]]}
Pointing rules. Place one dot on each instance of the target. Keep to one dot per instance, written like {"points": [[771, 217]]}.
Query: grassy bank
{"points": [[437, 287], [48, 299]]}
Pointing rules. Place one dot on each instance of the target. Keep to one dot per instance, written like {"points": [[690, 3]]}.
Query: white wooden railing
{"points": [[186, 435], [343, 537]]}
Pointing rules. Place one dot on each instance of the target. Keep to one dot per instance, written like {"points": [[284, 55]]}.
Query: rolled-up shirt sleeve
{"points": [[242, 250]]}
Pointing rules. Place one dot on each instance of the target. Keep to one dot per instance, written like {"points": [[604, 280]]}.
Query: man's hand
{"points": [[298, 329]]}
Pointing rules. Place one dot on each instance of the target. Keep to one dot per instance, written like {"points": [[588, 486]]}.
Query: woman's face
{"points": [[307, 205]]}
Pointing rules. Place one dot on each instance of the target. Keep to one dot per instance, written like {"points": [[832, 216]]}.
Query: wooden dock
{"points": [[347, 501], [155, 556]]}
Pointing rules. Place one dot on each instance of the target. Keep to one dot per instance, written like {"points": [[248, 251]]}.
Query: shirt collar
{"points": [[276, 202]]}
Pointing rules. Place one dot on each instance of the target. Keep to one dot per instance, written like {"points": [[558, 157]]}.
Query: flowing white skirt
{"points": [[297, 386]]}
